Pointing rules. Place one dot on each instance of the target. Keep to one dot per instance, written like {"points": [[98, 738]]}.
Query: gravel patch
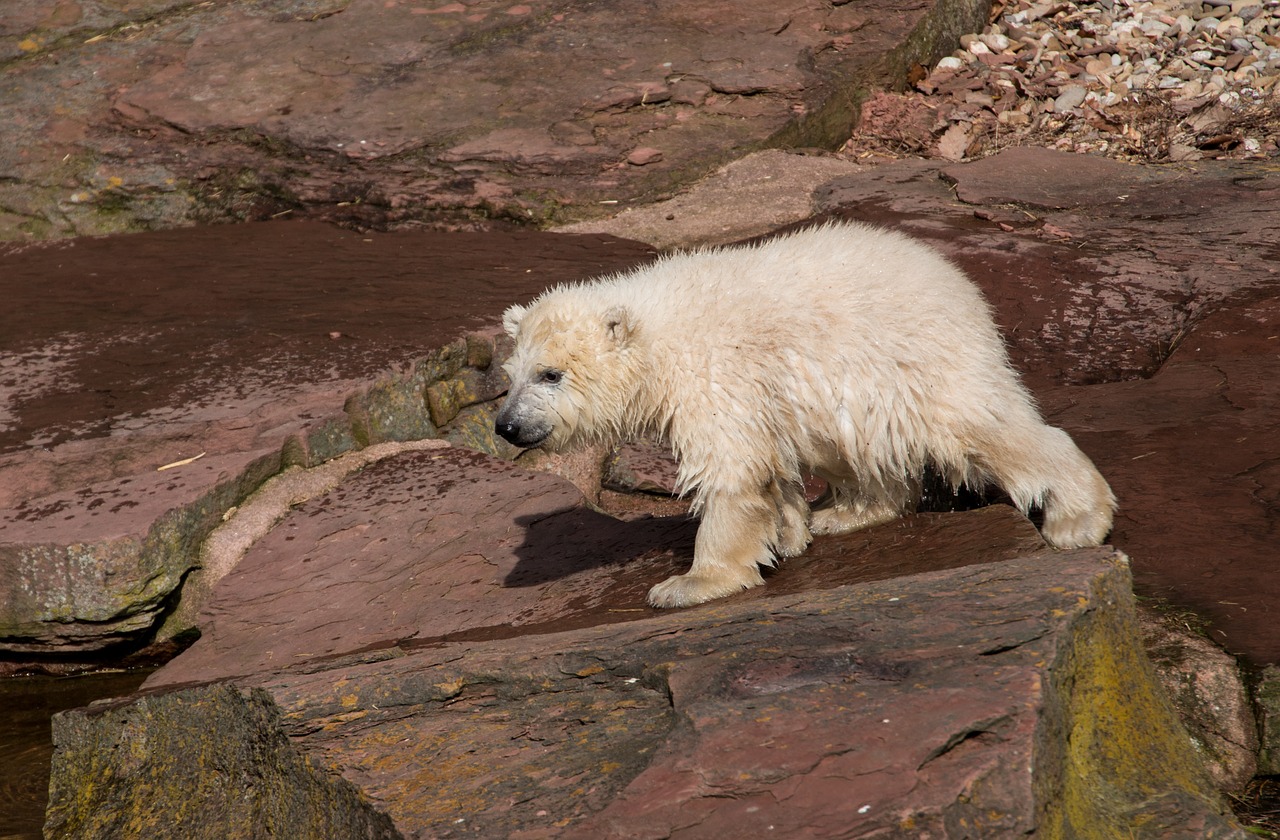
{"points": [[1154, 80]]}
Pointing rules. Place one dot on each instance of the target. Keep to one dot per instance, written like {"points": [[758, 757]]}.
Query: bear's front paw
{"points": [[1079, 531], [689, 589]]}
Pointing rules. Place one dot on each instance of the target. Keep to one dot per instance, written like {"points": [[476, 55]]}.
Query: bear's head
{"points": [[571, 372]]}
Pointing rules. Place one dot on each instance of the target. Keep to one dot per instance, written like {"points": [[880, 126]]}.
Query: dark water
{"points": [[27, 707]]}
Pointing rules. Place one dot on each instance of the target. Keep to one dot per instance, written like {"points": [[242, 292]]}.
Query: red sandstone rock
{"points": [[212, 351], [936, 705], [384, 113], [452, 543]]}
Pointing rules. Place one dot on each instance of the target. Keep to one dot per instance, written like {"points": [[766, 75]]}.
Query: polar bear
{"points": [[846, 351]]}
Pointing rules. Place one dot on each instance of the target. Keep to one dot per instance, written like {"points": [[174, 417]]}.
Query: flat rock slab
{"points": [[224, 354], [1002, 699], [451, 543], [391, 113]]}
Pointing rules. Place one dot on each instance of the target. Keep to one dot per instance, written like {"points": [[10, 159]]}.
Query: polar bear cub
{"points": [[854, 353]]}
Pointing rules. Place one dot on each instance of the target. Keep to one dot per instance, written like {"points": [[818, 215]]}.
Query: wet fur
{"points": [[855, 353]]}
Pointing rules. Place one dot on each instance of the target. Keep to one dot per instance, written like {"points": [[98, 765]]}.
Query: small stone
{"points": [[644, 156], [1098, 67], [996, 41], [1248, 13], [950, 63], [1072, 96], [1192, 89]]}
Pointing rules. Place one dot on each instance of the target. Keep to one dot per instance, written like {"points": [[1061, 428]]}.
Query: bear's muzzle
{"points": [[512, 431]]}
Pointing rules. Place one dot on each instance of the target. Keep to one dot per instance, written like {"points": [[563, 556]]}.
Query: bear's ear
{"points": [[618, 325], [511, 319]]}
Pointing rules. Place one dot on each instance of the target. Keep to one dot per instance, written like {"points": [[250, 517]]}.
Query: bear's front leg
{"points": [[733, 541]]}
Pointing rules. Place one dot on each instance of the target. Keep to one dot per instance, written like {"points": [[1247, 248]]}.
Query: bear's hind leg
{"points": [[793, 518], [844, 509], [733, 541], [1040, 464]]}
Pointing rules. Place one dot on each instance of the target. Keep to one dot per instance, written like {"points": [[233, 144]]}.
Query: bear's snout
{"points": [[509, 427], [510, 432]]}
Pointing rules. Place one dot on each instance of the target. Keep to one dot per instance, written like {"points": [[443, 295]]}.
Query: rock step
{"points": [[445, 543]]}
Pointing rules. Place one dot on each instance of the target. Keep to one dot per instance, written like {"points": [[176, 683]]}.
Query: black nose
{"points": [[509, 431]]}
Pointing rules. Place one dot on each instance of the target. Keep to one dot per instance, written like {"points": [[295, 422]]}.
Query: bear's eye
{"points": [[550, 377]]}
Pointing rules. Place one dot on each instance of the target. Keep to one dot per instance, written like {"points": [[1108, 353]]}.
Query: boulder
{"points": [[1208, 691]]}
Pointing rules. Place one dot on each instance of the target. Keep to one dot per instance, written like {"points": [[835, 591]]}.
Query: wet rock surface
{"points": [[162, 113], [1143, 305], [153, 382], [438, 643], [448, 543]]}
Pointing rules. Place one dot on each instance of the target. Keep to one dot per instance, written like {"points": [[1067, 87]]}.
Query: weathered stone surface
{"points": [[224, 354], [162, 114], [1209, 694], [642, 466], [1267, 696], [1199, 426], [748, 197], [209, 763], [991, 700]]}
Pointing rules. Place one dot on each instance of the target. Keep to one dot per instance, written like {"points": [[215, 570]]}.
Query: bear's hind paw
{"points": [[689, 589], [843, 520]]}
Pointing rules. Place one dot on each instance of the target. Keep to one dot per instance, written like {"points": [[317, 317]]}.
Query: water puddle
{"points": [[27, 707]]}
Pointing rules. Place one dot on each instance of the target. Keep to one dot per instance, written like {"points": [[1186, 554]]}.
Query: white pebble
{"points": [[996, 41], [1072, 96]]}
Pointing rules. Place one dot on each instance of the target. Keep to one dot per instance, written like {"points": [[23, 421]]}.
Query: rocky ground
{"points": [[1158, 81], [216, 429]]}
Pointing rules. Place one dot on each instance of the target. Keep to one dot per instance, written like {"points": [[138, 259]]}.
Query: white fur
{"points": [[852, 352]]}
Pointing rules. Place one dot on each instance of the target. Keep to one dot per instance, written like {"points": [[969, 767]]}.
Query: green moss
{"points": [[473, 429], [203, 763], [1120, 763]]}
